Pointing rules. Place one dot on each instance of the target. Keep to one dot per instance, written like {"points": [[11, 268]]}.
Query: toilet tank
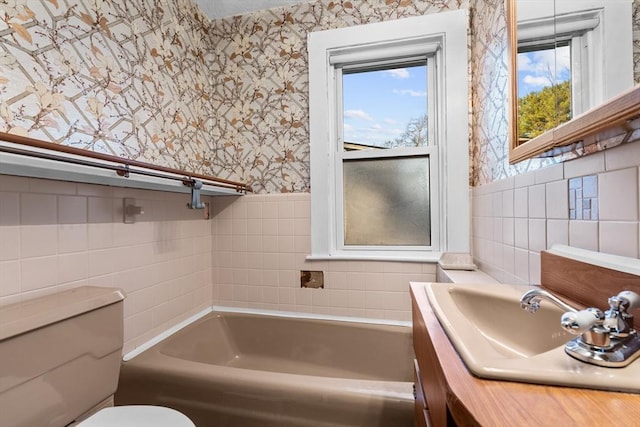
{"points": [[59, 355]]}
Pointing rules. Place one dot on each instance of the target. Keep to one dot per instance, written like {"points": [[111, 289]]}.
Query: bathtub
{"points": [[244, 370]]}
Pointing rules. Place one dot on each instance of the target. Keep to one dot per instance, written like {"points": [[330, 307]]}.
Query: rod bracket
{"points": [[196, 186], [123, 171]]}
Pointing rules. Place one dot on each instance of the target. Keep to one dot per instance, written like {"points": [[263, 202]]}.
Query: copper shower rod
{"points": [[122, 167]]}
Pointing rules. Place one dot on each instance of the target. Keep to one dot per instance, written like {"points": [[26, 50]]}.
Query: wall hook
{"points": [[130, 210]]}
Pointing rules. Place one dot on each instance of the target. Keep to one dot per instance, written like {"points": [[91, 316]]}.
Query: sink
{"points": [[497, 339], [507, 328]]}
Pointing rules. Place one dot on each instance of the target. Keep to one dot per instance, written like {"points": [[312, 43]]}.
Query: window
{"points": [[384, 121], [383, 110], [556, 79], [545, 87], [570, 59]]}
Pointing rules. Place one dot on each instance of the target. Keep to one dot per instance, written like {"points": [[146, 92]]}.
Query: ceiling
{"points": [[216, 9]]}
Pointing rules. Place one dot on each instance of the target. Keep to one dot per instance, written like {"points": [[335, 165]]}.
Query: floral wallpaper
{"points": [[489, 92], [261, 85], [636, 41], [123, 77], [156, 81], [261, 89]]}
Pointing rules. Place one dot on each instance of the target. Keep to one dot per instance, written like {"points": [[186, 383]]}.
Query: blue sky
{"points": [[533, 68], [378, 105]]}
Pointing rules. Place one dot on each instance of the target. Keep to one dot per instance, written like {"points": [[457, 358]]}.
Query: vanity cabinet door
{"points": [[422, 417], [430, 375]]}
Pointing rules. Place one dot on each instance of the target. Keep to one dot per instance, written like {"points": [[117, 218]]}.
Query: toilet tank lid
{"points": [[25, 316]]}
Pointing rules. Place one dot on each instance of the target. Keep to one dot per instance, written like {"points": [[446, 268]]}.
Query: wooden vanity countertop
{"points": [[493, 403]]}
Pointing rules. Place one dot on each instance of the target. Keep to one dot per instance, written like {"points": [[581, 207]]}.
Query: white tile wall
{"points": [[537, 234], [507, 204], [537, 201], [618, 192], [557, 199], [584, 234], [619, 238], [587, 165], [557, 232], [514, 254], [521, 258], [56, 235], [549, 174], [625, 156], [260, 245], [521, 202], [171, 263]]}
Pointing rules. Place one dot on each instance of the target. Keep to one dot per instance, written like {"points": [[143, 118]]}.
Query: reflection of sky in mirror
{"points": [[378, 105], [536, 69]]}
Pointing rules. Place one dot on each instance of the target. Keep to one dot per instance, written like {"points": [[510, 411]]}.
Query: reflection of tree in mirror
{"points": [[415, 134], [541, 111]]}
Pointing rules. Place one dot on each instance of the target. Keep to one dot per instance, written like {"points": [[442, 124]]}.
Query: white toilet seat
{"points": [[137, 416]]}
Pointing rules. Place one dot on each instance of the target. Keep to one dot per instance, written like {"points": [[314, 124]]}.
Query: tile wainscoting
{"points": [[56, 235], [515, 218], [171, 263], [260, 245]]}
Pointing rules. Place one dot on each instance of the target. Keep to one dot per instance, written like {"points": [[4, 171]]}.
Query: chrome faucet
{"points": [[606, 338], [530, 301]]}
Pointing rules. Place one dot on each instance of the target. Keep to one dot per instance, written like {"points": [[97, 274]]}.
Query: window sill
{"points": [[430, 258]]}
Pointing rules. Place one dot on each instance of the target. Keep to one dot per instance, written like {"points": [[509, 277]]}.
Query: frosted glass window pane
{"points": [[386, 202]]}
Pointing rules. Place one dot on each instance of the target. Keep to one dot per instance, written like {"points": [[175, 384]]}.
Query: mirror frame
{"points": [[618, 116]]}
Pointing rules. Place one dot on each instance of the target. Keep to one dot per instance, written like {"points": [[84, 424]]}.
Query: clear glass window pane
{"points": [[385, 108], [544, 89], [387, 201]]}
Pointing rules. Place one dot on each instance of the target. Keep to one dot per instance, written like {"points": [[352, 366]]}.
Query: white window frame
{"points": [[442, 34]]}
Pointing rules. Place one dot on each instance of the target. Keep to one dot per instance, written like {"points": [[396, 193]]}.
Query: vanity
{"points": [[573, 393], [448, 394]]}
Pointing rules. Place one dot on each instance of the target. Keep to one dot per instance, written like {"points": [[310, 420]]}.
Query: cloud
{"points": [[410, 92], [357, 114], [543, 62], [537, 61], [536, 80], [398, 73], [374, 133], [390, 121]]}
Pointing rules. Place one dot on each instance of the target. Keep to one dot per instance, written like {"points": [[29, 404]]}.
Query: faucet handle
{"points": [[579, 322], [618, 320], [630, 301]]}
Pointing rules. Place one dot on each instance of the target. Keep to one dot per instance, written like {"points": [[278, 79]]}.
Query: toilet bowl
{"points": [[64, 351], [137, 416]]}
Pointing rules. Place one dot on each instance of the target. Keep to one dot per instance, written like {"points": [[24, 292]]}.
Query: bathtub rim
{"points": [[273, 313]]}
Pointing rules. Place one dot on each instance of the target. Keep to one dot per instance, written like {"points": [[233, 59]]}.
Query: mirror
{"points": [[568, 60]]}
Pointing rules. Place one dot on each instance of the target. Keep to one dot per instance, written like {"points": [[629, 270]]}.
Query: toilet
{"points": [[60, 359], [136, 416]]}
